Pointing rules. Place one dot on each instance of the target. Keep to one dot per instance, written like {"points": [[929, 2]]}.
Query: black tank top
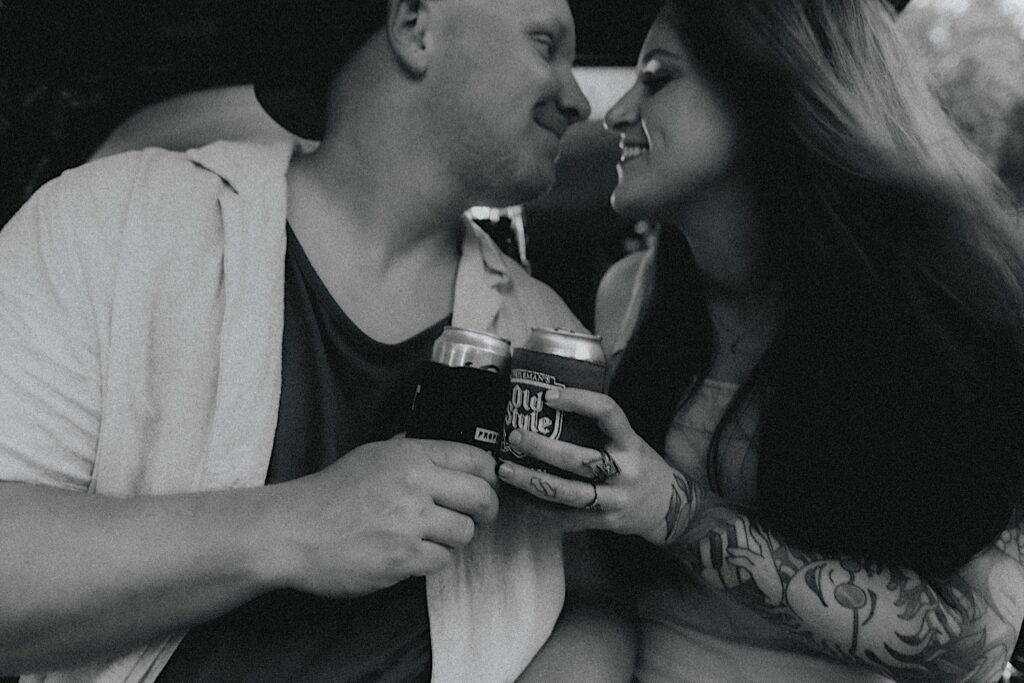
{"points": [[340, 389]]}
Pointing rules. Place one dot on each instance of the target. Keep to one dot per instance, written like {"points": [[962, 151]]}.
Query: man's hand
{"points": [[382, 513]]}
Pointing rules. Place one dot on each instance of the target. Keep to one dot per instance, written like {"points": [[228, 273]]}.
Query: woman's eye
{"points": [[654, 76], [653, 81]]}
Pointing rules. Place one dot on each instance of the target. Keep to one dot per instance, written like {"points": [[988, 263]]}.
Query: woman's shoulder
{"points": [[615, 293]]}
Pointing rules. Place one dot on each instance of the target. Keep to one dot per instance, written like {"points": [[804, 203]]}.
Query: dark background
{"points": [[70, 72]]}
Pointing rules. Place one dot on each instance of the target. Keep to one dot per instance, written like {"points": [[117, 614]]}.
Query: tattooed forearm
{"points": [[686, 496], [889, 619]]}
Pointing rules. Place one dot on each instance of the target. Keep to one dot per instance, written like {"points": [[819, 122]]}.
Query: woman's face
{"points": [[677, 135]]}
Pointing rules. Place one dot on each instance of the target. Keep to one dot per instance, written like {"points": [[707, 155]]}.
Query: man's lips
{"points": [[557, 130]]}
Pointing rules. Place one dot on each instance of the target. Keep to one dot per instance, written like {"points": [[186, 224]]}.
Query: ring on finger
{"points": [[593, 505], [604, 467]]}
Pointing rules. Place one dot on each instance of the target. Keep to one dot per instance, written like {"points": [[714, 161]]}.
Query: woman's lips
{"points": [[630, 152]]}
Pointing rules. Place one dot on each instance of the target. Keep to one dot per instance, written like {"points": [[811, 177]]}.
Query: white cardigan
{"points": [[141, 314]]}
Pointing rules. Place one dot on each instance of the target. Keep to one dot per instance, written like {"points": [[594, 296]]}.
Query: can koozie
{"points": [[533, 374], [458, 404]]}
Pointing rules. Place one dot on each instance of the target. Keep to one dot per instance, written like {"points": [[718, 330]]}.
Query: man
{"points": [[152, 381]]}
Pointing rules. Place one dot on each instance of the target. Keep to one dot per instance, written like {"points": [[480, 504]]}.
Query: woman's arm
{"points": [[962, 628], [892, 620]]}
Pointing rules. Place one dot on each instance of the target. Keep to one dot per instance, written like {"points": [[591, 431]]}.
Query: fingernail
{"points": [[504, 470], [552, 395], [515, 437]]}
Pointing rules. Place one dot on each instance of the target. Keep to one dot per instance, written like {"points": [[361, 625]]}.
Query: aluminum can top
{"points": [[567, 344], [458, 347]]}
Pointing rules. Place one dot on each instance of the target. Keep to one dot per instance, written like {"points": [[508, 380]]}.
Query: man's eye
{"points": [[546, 45]]}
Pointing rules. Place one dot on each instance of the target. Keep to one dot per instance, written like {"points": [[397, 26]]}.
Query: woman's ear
{"points": [[408, 33]]}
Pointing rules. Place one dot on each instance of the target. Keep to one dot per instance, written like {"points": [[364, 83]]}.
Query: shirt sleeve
{"points": [[51, 324]]}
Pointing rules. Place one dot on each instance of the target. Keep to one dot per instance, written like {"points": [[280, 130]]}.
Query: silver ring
{"points": [[593, 506], [603, 468]]}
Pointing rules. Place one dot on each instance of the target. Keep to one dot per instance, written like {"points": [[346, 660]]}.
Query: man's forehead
{"points": [[530, 11]]}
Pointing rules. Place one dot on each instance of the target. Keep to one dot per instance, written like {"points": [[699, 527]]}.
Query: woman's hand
{"points": [[630, 487]]}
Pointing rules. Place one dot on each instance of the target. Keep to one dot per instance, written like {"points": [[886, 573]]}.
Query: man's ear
{"points": [[408, 21]]}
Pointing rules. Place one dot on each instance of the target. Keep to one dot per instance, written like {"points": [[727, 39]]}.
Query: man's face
{"points": [[503, 94]]}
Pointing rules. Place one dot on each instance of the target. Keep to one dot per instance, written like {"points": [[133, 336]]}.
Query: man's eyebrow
{"points": [[548, 24]]}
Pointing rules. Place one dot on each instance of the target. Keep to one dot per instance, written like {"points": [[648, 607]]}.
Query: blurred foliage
{"points": [[975, 52]]}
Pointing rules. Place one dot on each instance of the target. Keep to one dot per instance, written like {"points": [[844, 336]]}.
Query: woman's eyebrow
{"points": [[658, 52]]}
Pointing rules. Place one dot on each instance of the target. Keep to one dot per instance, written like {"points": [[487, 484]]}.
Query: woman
{"points": [[818, 374]]}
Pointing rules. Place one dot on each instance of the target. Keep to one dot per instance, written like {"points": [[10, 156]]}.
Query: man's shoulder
{"points": [[225, 161], [126, 175]]}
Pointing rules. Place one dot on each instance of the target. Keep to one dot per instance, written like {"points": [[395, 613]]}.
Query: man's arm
{"points": [[83, 577], [891, 620], [86, 576]]}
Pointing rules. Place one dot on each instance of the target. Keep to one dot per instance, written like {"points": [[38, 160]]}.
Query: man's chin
{"points": [[520, 192]]}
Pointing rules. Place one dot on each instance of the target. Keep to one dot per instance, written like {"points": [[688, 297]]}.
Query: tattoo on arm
{"points": [[962, 628], [681, 506]]}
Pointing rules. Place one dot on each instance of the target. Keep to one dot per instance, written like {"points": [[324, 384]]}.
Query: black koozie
{"points": [[459, 404]]}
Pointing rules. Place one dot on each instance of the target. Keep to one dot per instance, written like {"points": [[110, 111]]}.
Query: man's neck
{"points": [[385, 243], [356, 199]]}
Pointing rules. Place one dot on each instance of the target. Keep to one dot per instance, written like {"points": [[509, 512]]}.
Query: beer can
{"points": [[461, 348], [552, 359], [461, 392]]}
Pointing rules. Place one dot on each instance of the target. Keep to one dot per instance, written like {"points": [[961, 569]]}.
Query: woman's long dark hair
{"points": [[891, 398]]}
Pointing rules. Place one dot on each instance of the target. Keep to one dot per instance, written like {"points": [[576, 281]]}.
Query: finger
{"points": [[561, 454], [741, 554], [550, 488], [459, 457], [463, 493], [432, 557], [742, 541], [730, 577], [601, 408], [448, 528]]}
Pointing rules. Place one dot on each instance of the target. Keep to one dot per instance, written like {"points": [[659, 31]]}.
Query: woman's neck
{"points": [[726, 236]]}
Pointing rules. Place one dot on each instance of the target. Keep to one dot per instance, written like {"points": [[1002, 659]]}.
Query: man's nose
{"points": [[573, 103]]}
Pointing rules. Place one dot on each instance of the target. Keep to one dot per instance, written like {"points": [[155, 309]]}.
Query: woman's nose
{"points": [[623, 113]]}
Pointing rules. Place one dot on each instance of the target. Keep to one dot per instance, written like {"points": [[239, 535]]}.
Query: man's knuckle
{"points": [[489, 506], [606, 406]]}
